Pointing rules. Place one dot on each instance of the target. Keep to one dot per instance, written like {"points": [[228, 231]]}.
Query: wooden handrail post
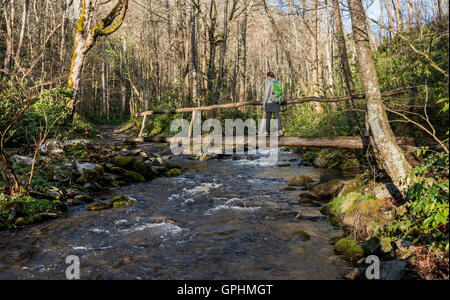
{"points": [[143, 126]]}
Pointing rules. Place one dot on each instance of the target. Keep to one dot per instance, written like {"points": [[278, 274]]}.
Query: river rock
{"points": [[404, 245], [144, 168], [308, 195], [53, 193], [283, 164], [77, 144], [350, 248], [84, 198], [327, 190], [371, 246], [352, 186], [92, 186], [22, 160], [143, 154], [89, 172], [300, 180], [161, 219], [300, 234], [355, 274], [122, 201], [173, 172], [123, 161], [324, 178], [392, 270], [98, 206], [52, 146], [386, 191], [134, 177]]}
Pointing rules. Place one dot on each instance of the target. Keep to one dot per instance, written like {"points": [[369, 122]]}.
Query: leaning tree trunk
{"points": [[85, 39], [387, 149]]}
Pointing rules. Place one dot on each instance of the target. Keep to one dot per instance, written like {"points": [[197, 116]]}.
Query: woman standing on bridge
{"points": [[271, 104]]}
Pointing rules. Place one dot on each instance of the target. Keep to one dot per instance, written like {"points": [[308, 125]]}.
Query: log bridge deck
{"points": [[338, 142]]}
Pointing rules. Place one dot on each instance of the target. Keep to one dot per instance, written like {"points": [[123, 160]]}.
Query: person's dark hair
{"points": [[271, 75]]}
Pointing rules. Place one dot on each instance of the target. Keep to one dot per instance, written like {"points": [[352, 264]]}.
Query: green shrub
{"points": [[426, 217]]}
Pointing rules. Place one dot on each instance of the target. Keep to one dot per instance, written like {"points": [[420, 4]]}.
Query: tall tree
{"points": [[387, 149], [85, 38]]}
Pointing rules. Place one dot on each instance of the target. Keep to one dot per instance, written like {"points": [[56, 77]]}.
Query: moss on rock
{"points": [[121, 201], [123, 161], [350, 248], [300, 180], [98, 206], [134, 177], [327, 190], [173, 172]]}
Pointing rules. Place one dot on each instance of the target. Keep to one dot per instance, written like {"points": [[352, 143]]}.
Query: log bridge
{"points": [[338, 142]]}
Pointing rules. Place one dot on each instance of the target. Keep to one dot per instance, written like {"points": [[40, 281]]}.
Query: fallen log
{"points": [[258, 103], [337, 142]]}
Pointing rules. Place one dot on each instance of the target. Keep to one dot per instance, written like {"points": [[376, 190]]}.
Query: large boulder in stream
{"points": [[328, 190], [300, 180]]}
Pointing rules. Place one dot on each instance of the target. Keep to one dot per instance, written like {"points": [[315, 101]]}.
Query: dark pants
{"points": [[276, 115]]}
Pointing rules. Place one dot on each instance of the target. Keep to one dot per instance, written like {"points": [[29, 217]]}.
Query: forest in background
{"points": [[178, 53]]}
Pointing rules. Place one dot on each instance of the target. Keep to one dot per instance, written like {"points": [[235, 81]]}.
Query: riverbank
{"points": [[72, 172]]}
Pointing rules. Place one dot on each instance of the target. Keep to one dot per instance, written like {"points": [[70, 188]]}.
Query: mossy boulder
{"points": [[98, 206], [328, 190], [143, 168], [111, 168], [123, 161], [159, 170], [173, 172], [90, 172], [134, 177], [354, 185], [59, 207], [53, 193], [300, 180], [16, 205], [350, 248], [121, 201], [72, 146], [20, 222], [372, 245]]}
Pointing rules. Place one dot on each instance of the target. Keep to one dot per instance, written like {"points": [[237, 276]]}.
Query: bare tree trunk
{"points": [[390, 18], [9, 22], [22, 29], [398, 15], [86, 37], [243, 68], [387, 149]]}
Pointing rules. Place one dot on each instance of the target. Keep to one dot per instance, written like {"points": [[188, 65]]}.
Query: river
{"points": [[230, 219]]}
